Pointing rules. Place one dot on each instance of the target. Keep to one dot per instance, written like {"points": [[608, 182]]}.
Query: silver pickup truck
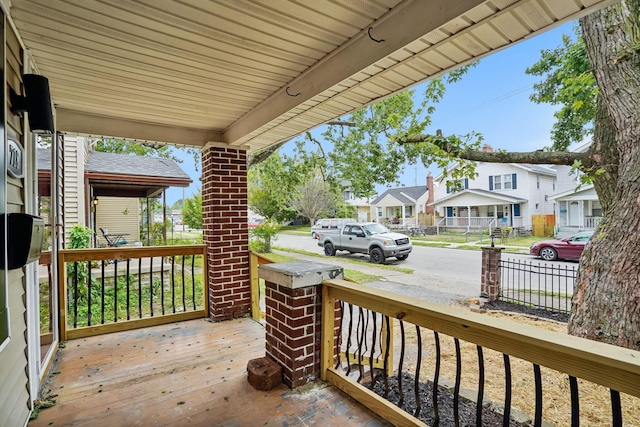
{"points": [[366, 238]]}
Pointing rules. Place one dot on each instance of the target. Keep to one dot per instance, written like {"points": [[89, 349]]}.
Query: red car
{"points": [[253, 223], [567, 248]]}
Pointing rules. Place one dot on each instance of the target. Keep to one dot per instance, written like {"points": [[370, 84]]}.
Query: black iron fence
{"points": [[106, 290], [537, 285]]}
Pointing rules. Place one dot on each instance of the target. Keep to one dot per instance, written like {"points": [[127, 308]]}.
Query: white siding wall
{"points": [[540, 196], [74, 197], [565, 181], [119, 215]]}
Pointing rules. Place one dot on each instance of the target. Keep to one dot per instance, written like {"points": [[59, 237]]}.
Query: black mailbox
{"points": [[24, 237]]}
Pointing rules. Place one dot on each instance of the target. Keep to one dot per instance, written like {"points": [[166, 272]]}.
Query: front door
{"points": [[574, 214]]}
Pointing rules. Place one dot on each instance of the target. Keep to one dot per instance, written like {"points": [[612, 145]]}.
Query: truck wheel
{"points": [[402, 257], [377, 256], [329, 250]]}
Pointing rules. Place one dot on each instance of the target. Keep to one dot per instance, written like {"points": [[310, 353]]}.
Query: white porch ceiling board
{"points": [[111, 109], [161, 82], [535, 16], [153, 39], [473, 45], [219, 68], [453, 52]]}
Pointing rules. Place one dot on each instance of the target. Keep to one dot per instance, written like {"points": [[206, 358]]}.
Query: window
{"points": [[497, 185], [554, 184], [506, 182], [538, 181], [379, 212], [455, 186], [408, 211], [503, 182]]}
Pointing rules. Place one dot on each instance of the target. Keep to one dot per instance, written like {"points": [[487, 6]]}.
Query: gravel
{"points": [[466, 409], [523, 309]]}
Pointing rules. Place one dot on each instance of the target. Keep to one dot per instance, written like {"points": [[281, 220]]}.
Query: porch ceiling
{"points": [[193, 72]]}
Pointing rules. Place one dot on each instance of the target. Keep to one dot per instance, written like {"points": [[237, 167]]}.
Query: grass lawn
{"points": [[296, 229], [352, 261]]}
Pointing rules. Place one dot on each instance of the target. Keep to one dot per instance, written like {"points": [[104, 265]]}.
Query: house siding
{"points": [[118, 215], [14, 381], [74, 208]]}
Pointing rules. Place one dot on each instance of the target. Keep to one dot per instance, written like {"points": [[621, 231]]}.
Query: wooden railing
{"points": [[255, 259], [592, 222], [117, 289], [615, 368]]}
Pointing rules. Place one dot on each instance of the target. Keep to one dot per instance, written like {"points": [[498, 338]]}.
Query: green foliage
{"points": [[121, 146], [192, 211], [570, 84], [156, 233], [77, 272], [345, 210], [80, 237], [263, 235], [270, 184], [367, 152], [117, 299]]}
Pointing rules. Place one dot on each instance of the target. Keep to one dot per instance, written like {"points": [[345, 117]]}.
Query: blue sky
{"points": [[492, 99]]}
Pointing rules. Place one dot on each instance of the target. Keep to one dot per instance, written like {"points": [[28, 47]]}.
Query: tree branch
{"points": [[341, 123], [534, 157], [262, 155]]}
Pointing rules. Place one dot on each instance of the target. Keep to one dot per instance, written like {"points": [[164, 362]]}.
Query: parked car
{"points": [[254, 222], [329, 224], [567, 248]]}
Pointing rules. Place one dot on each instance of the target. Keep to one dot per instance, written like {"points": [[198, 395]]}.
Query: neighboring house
{"points": [[102, 190], [577, 205], [361, 204], [502, 195], [402, 205]]}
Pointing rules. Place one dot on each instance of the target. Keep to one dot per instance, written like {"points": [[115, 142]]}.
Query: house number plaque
{"points": [[15, 159]]}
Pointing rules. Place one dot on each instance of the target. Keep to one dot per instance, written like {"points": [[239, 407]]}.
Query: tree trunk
{"points": [[606, 300]]}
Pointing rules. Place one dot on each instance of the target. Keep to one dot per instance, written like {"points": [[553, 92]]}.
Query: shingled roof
{"points": [[401, 194], [120, 164], [123, 175]]}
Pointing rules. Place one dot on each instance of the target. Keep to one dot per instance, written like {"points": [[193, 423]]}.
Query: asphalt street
{"points": [[442, 275]]}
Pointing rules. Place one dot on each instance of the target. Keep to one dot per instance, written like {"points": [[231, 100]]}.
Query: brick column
{"points": [[225, 231], [293, 332], [490, 281]]}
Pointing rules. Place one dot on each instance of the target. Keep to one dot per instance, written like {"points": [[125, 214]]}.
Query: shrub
{"points": [[262, 236]]}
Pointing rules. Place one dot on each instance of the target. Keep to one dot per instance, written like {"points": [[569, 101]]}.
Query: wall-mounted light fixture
{"points": [[36, 102], [95, 201]]}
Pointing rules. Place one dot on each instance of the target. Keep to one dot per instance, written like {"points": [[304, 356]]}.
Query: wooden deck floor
{"points": [[188, 373]]}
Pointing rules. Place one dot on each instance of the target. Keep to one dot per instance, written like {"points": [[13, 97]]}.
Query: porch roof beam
{"points": [[403, 25], [101, 126]]}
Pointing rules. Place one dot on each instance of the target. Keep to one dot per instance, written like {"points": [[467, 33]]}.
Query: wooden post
{"points": [[255, 286], [62, 296], [327, 346]]}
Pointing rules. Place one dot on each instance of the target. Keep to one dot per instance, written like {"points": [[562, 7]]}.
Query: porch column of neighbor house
{"points": [[293, 296], [225, 231], [490, 276], [431, 197]]}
